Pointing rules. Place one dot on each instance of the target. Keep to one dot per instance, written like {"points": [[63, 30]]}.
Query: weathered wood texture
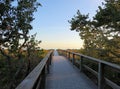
{"points": [[63, 75], [101, 68], [36, 79]]}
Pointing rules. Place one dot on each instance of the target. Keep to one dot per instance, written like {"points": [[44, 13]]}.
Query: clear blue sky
{"points": [[51, 22]]}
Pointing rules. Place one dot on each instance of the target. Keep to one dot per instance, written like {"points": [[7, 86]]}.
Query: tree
{"points": [[31, 47], [101, 35], [15, 25], [108, 17], [88, 33]]}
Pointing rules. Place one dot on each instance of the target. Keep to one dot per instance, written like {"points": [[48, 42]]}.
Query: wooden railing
{"points": [[100, 73], [36, 79]]}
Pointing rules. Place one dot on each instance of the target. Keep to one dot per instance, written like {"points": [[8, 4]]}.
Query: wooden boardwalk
{"points": [[63, 75]]}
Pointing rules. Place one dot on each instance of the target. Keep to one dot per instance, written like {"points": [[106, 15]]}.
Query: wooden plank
{"points": [[81, 63], [73, 61], [107, 81], [101, 76], [30, 80], [112, 84], [65, 76], [91, 70], [100, 73], [117, 67]]}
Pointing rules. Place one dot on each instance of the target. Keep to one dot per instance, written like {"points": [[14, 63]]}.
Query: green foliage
{"points": [[109, 15], [101, 35], [79, 22], [15, 23], [15, 65]]}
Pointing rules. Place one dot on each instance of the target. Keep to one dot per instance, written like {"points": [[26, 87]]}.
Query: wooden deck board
{"points": [[63, 75]]}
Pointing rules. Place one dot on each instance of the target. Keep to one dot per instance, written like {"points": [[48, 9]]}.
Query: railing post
{"points": [[81, 63], [48, 63], [43, 81], [73, 59], [69, 55], [101, 76], [50, 58], [66, 53]]}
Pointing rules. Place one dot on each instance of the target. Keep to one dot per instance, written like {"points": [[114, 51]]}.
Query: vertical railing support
{"points": [[66, 54], [50, 58], [48, 63], [73, 61], [42, 86], [81, 63], [101, 76], [69, 55]]}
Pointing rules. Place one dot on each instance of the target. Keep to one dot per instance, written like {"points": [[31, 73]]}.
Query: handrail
{"points": [[36, 79], [97, 60], [101, 69]]}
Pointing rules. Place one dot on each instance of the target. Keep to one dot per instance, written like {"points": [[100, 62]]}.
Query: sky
{"points": [[51, 22]]}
